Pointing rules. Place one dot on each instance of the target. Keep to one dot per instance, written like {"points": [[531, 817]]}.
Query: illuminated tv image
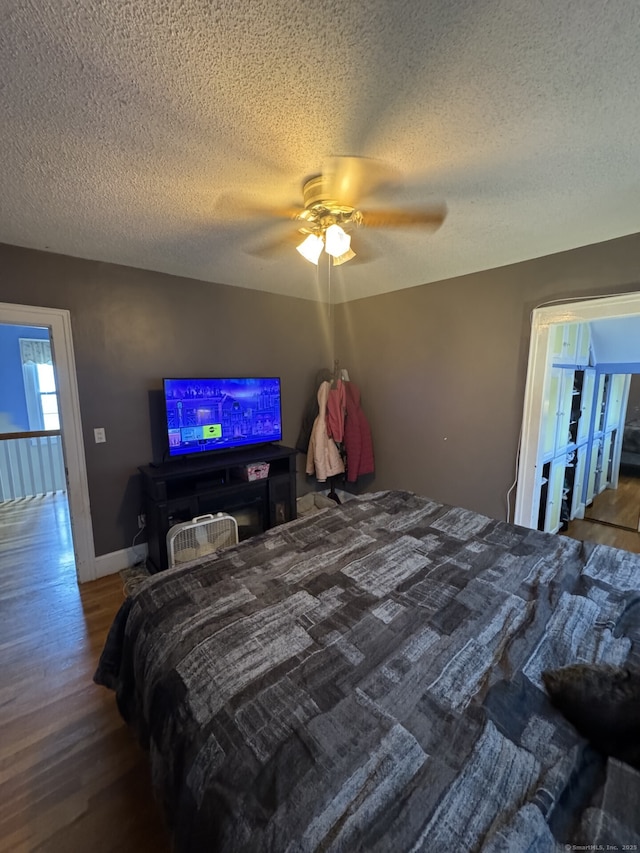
{"points": [[205, 415]]}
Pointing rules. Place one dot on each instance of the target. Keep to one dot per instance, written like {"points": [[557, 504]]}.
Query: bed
{"points": [[370, 678]]}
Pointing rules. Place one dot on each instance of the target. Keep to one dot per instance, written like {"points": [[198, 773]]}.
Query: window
{"points": [[48, 396], [39, 384]]}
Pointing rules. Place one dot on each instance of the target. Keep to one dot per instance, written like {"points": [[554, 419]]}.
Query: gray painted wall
{"points": [[442, 368], [131, 328]]}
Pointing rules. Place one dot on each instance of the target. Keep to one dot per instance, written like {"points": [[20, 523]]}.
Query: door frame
{"points": [[606, 307], [58, 321]]}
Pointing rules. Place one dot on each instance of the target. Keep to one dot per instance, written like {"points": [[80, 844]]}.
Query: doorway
{"points": [[57, 323], [619, 318]]}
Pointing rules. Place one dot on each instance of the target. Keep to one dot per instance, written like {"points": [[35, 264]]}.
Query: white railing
{"points": [[31, 463]]}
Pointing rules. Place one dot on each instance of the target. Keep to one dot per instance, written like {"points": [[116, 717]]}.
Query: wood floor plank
{"points": [[72, 776], [619, 506]]}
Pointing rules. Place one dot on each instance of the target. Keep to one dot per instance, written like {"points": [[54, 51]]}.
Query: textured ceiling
{"points": [[123, 123]]}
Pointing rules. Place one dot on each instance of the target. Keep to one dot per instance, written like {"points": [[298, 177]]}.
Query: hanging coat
{"points": [[311, 412], [323, 457], [336, 403], [358, 444]]}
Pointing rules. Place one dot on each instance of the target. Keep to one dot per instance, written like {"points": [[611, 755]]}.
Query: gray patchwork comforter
{"points": [[369, 678]]}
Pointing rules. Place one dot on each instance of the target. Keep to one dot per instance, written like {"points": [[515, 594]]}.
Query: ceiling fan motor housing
{"points": [[319, 210]]}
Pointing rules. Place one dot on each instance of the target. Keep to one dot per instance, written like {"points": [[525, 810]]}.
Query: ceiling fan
{"points": [[331, 208]]}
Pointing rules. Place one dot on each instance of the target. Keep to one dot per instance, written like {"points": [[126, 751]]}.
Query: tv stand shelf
{"points": [[180, 490]]}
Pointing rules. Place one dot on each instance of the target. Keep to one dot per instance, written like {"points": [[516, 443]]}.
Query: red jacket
{"points": [[358, 445], [336, 412]]}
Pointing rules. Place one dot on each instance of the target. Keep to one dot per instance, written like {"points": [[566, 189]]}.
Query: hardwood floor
{"points": [[610, 508], [72, 777], [619, 506]]}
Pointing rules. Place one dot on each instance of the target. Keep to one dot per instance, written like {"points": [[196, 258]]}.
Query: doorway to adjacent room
{"points": [[617, 319], [41, 447]]}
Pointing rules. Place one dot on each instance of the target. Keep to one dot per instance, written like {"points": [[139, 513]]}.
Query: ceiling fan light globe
{"points": [[311, 248], [337, 241], [342, 259]]}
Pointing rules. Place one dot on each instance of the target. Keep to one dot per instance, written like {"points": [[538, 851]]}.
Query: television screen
{"points": [[221, 414]]}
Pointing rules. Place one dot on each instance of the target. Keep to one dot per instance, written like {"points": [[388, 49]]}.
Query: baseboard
{"points": [[110, 564]]}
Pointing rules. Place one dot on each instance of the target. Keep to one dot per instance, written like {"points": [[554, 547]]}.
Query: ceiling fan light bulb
{"points": [[337, 241], [311, 248], [342, 259]]}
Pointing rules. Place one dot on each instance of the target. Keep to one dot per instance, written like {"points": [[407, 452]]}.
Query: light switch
{"points": [[99, 435]]}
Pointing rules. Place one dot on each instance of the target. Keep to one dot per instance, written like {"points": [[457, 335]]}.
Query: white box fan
{"points": [[204, 534]]}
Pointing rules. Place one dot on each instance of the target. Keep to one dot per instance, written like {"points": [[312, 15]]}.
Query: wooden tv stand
{"points": [[183, 489]]}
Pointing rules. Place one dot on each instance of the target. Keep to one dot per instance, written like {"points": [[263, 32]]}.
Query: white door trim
{"points": [[624, 305], [58, 320]]}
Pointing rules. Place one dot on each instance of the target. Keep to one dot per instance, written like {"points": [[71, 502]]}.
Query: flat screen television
{"points": [[205, 415]]}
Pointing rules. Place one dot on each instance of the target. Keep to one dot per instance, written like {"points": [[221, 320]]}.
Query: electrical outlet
{"points": [[142, 521], [99, 435]]}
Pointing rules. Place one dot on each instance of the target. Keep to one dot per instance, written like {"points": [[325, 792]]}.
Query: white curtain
{"points": [[35, 351]]}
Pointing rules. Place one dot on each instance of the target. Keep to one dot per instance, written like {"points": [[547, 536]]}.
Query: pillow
{"points": [[602, 702]]}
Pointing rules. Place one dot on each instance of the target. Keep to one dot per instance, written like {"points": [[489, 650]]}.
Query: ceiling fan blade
{"points": [[365, 253], [232, 206], [276, 246], [429, 217], [348, 180]]}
